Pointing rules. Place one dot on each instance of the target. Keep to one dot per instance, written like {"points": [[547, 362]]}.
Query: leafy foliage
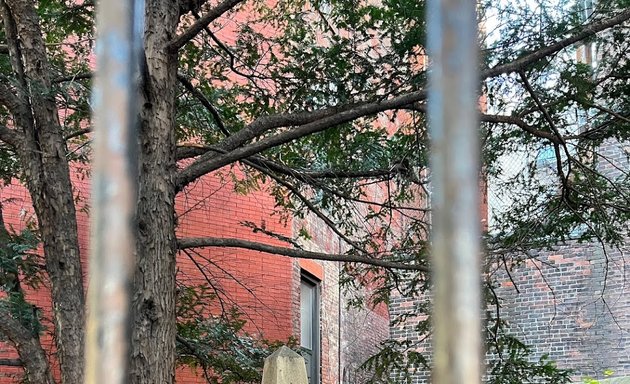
{"points": [[20, 266], [218, 345]]}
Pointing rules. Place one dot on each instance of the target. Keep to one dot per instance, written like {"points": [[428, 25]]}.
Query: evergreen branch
{"points": [[311, 122], [563, 178], [200, 242], [306, 123], [584, 32]]}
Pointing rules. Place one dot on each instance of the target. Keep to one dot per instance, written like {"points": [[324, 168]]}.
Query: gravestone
{"points": [[284, 366]]}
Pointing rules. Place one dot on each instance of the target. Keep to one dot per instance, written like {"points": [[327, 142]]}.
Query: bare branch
{"points": [[541, 106], [226, 49], [232, 57], [609, 111], [307, 175], [11, 363], [266, 123], [200, 24], [191, 150], [501, 119], [187, 151], [294, 190], [72, 78], [200, 242]]}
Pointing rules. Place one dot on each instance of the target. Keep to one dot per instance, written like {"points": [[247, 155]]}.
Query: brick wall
{"points": [[349, 336], [261, 285], [407, 331], [573, 303], [264, 287]]}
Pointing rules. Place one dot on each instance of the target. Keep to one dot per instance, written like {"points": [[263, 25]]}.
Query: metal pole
{"points": [[114, 190], [453, 121]]}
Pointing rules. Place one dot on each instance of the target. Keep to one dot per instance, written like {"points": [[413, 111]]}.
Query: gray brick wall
{"points": [[571, 303]]}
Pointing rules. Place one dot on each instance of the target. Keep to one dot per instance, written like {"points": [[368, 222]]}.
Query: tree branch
{"points": [[294, 190], [10, 136], [200, 242], [204, 101], [78, 133], [583, 33], [310, 124], [307, 123], [563, 178], [28, 347], [78, 76], [200, 24], [305, 175], [308, 175], [609, 111], [11, 363], [233, 58], [502, 119]]}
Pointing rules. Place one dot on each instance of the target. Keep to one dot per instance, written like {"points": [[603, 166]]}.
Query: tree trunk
{"points": [[29, 349], [43, 156], [153, 303]]}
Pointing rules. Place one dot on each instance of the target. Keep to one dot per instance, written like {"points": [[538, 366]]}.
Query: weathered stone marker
{"points": [[284, 366]]}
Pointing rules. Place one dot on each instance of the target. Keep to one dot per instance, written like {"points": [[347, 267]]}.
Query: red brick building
{"points": [[280, 297]]}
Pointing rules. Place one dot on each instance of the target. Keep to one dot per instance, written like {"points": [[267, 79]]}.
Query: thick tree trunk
{"points": [[43, 156], [153, 306]]}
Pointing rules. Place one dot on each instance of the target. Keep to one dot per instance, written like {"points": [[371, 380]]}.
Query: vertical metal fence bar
{"points": [[114, 192], [453, 121]]}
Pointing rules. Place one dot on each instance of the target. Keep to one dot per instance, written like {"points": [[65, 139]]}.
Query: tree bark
{"points": [[153, 302], [29, 349], [43, 156]]}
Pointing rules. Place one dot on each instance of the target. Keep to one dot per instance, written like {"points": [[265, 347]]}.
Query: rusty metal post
{"points": [[114, 190], [453, 121]]}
